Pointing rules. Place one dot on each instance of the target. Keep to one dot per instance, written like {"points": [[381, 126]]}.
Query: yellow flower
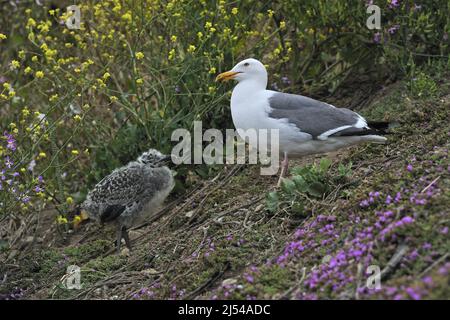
{"points": [[139, 81], [53, 98], [173, 38], [208, 25], [23, 170], [212, 70], [199, 35], [282, 25], [76, 219], [191, 48], [21, 54], [6, 85], [42, 154], [39, 74], [34, 58], [15, 64], [211, 89], [77, 117], [75, 152], [25, 112], [2, 36], [139, 55], [270, 13], [171, 54], [31, 22], [234, 11], [61, 219], [106, 75], [127, 16], [12, 93], [113, 98]]}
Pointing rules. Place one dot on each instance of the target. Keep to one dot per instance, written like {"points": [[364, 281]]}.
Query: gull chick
{"points": [[306, 126], [131, 193]]}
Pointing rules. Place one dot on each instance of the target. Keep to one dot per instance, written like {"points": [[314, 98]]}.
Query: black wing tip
{"points": [[111, 213], [374, 128]]}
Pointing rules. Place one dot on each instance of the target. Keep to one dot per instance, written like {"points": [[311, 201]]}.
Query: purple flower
{"points": [[377, 38], [412, 293], [8, 162], [427, 280], [364, 203], [444, 230], [31, 165], [409, 167], [285, 80], [394, 3], [393, 29], [407, 220], [249, 278]]}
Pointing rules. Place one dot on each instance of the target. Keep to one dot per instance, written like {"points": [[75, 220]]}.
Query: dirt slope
{"points": [[382, 206]]}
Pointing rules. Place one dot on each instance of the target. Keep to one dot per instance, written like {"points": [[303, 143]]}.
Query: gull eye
{"points": [[246, 64]]}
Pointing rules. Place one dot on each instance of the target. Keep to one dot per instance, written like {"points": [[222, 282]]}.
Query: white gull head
{"points": [[248, 70]]}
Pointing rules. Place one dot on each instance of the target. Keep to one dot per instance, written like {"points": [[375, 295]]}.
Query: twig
{"points": [[395, 260], [217, 275], [431, 183], [424, 272]]}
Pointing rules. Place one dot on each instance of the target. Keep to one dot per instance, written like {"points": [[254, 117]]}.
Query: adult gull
{"points": [[306, 126]]}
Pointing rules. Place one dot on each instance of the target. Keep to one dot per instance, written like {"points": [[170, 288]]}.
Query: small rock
{"points": [[326, 259], [259, 208], [150, 271], [189, 214], [12, 254], [229, 282], [125, 252]]}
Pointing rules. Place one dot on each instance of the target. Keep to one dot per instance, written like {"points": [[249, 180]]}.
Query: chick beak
{"points": [[80, 218], [225, 76]]}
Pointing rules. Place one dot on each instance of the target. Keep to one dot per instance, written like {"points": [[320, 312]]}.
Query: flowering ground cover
{"points": [[75, 104]]}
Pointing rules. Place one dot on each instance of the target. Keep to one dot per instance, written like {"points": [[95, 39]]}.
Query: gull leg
{"points": [[118, 238], [126, 237], [284, 168]]}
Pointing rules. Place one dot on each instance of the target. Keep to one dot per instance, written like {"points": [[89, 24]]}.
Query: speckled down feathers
{"points": [[129, 193]]}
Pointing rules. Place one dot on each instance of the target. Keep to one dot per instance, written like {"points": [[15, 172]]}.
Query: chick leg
{"points": [[118, 238], [126, 237]]}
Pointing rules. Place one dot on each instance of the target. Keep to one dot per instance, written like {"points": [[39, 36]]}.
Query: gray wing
{"points": [[124, 187], [317, 118]]}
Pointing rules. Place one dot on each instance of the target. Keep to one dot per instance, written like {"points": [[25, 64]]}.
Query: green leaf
{"points": [[324, 165], [317, 189], [300, 183], [272, 201], [288, 186]]}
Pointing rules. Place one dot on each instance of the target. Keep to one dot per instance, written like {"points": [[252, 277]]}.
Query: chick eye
{"points": [[246, 64]]}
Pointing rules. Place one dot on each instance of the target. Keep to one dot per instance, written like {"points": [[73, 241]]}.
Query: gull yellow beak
{"points": [[226, 76]]}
